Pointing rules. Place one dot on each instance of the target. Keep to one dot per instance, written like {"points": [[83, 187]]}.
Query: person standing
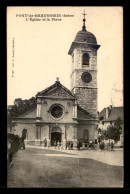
{"points": [[112, 146], [61, 145], [55, 144], [90, 144], [78, 146], [58, 145], [48, 143], [71, 145], [66, 144], [95, 144], [45, 143], [102, 145]]}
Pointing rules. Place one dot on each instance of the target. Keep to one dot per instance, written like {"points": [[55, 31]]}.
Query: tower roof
{"points": [[85, 36]]}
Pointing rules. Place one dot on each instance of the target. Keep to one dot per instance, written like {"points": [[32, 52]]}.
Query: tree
{"points": [[105, 134], [118, 123], [113, 131], [100, 138]]}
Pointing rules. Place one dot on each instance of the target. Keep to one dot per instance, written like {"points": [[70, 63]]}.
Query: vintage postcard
{"points": [[65, 125]]}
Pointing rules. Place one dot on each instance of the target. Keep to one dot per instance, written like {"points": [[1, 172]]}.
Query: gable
{"points": [[57, 90]]}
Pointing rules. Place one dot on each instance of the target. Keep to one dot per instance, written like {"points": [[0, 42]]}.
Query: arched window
{"points": [[24, 134], [85, 59]]}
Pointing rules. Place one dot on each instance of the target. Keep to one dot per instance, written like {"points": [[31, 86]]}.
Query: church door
{"points": [[55, 136]]}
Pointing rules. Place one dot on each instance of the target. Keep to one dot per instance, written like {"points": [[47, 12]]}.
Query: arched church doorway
{"points": [[56, 135]]}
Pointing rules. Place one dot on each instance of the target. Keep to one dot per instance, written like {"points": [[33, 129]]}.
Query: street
{"points": [[49, 168]]}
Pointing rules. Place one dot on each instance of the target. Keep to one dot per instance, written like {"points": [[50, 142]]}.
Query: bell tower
{"points": [[84, 69]]}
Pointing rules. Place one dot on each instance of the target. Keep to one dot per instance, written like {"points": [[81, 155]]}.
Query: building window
{"points": [[101, 118], [85, 59], [110, 122], [102, 122], [57, 111]]}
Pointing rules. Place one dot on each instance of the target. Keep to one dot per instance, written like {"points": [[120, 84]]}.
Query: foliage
{"points": [[113, 131], [105, 134], [100, 138], [15, 142], [118, 123]]}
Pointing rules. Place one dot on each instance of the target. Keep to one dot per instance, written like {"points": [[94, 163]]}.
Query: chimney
{"points": [[107, 112]]}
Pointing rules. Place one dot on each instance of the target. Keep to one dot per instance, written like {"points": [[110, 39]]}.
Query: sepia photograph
{"points": [[65, 114]]}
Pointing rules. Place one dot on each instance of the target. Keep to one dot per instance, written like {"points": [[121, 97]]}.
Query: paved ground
{"points": [[109, 157], [49, 168]]}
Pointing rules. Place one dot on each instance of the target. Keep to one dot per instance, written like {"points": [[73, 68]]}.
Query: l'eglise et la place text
{"points": [[49, 19], [44, 19]]}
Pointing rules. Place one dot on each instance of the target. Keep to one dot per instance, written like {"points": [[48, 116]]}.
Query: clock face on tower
{"points": [[86, 77]]}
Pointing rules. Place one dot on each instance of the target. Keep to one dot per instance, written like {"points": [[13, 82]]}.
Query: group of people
{"points": [[68, 145], [86, 144], [95, 145], [59, 145], [110, 145]]}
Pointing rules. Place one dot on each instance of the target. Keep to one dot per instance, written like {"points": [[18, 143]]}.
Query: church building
{"points": [[63, 114]]}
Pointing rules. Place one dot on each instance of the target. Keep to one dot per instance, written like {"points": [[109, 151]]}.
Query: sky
{"points": [[37, 51]]}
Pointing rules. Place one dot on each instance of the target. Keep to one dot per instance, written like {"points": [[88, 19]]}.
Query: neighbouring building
{"points": [[108, 116], [63, 114]]}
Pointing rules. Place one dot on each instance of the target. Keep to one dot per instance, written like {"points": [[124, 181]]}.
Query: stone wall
{"points": [[92, 131], [44, 132], [87, 99], [31, 130], [70, 133]]}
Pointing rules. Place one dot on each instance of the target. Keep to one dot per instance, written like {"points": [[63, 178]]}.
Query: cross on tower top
{"points": [[84, 14], [84, 27]]}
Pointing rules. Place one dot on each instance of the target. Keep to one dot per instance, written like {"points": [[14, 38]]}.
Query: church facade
{"points": [[63, 114]]}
